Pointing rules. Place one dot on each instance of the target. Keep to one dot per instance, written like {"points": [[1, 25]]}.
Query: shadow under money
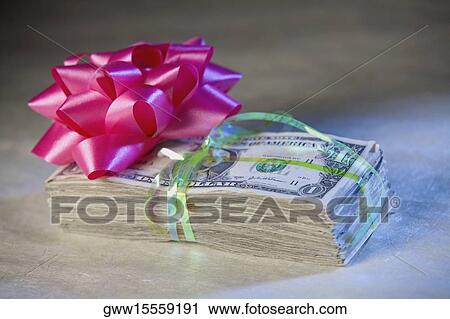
{"points": [[40, 260], [415, 223]]}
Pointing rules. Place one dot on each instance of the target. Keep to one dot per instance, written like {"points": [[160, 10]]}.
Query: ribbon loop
{"points": [[206, 109], [48, 101], [222, 78], [115, 78], [56, 145], [73, 79], [197, 55], [143, 111], [124, 149], [85, 113], [75, 59]]}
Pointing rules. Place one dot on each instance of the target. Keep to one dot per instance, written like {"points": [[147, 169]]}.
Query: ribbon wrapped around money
{"points": [[110, 108], [185, 171]]}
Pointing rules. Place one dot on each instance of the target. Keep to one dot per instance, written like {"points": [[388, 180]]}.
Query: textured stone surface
{"points": [[287, 51]]}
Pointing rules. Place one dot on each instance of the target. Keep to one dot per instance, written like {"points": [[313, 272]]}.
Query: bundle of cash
{"points": [[283, 195]]}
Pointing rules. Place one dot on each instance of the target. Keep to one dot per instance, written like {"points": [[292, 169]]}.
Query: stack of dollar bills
{"points": [[283, 195]]}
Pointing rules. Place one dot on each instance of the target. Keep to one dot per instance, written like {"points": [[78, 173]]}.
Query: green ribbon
{"points": [[184, 171]]}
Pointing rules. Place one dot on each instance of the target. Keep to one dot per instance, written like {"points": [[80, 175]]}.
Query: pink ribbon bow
{"points": [[111, 111]]}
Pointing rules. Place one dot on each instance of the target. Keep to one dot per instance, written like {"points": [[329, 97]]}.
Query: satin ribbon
{"points": [[111, 110]]}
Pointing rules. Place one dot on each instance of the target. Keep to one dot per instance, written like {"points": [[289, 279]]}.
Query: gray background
{"points": [[286, 51]]}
